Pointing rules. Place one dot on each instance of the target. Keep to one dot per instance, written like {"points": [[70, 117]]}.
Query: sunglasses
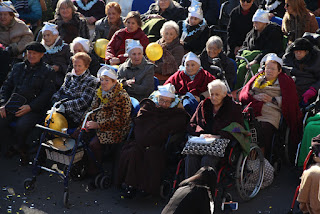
{"points": [[286, 5], [248, 1]]}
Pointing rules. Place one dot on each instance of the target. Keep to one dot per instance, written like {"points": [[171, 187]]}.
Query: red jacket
{"points": [[290, 104], [116, 46], [183, 83]]}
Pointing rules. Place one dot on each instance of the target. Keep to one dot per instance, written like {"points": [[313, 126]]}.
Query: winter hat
{"points": [[107, 71], [271, 56], [131, 44], [7, 6], [167, 90], [261, 16], [301, 44], [192, 56], [84, 42], [195, 9], [50, 27]]}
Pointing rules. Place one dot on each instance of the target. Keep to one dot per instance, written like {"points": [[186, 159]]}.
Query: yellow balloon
{"points": [[58, 122], [100, 47], [154, 51]]}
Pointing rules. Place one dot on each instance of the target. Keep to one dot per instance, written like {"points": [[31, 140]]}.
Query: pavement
{"points": [[47, 197]]}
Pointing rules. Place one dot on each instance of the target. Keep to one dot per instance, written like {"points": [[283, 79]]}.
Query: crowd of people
{"points": [[197, 72]]}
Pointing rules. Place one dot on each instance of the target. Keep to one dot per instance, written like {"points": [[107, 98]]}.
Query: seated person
{"points": [[304, 59], [239, 25], [34, 80], [168, 9], [191, 78], [265, 37], [107, 26], [297, 20], [83, 45], [115, 53], [194, 31], [214, 56], [172, 51], [309, 187], [79, 87], [136, 73], [212, 115], [142, 161], [57, 53], [195, 194], [271, 93], [110, 125]]}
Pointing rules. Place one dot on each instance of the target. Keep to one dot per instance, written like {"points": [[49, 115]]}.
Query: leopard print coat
{"points": [[114, 118]]}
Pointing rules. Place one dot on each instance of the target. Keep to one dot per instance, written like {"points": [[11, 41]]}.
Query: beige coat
{"points": [[270, 112], [17, 35]]}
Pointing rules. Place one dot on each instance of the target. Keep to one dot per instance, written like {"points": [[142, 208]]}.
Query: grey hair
{"points": [[215, 40], [68, 3], [169, 24], [219, 83], [170, 6]]}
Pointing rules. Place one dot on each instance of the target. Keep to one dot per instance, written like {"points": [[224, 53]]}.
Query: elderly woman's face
{"points": [[79, 66], [300, 54], [132, 25], [245, 5], [217, 95], [164, 102], [107, 83], [213, 51], [65, 11], [5, 18], [271, 70], [192, 67], [169, 35], [113, 15], [259, 26], [78, 48], [164, 4], [136, 56], [194, 20], [49, 38]]}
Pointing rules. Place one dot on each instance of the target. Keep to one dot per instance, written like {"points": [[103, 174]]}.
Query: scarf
{"points": [[105, 97], [185, 26], [261, 81]]}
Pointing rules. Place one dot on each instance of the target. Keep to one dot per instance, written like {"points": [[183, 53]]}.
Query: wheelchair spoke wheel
{"points": [[165, 189], [249, 173], [105, 182], [29, 184], [66, 199]]}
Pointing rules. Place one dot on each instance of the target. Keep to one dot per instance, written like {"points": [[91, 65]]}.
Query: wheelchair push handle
{"points": [[243, 58], [60, 102], [87, 115]]}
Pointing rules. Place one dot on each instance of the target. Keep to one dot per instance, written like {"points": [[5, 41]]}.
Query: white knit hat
{"points": [[7, 6], [84, 42], [167, 90], [271, 56], [261, 16], [106, 70], [50, 27], [192, 56], [195, 9], [131, 44]]}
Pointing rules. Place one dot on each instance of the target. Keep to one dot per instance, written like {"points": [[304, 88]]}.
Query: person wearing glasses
{"points": [[239, 25], [297, 20]]}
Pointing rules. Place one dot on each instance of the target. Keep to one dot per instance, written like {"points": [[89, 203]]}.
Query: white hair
{"points": [[218, 83], [215, 40], [169, 24]]}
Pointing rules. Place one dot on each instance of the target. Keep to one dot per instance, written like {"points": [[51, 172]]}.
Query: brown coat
{"points": [[17, 35], [114, 118], [142, 161]]}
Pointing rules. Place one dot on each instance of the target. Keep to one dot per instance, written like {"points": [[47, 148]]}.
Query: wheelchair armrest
{"points": [[52, 131]]}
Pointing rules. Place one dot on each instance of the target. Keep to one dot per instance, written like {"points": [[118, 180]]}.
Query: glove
{"points": [[61, 109], [311, 92]]}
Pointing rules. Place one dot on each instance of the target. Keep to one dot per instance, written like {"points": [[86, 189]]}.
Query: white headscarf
{"points": [[167, 90], [84, 42], [192, 56], [131, 44], [261, 16], [7, 6], [50, 27], [271, 56], [107, 71], [195, 9]]}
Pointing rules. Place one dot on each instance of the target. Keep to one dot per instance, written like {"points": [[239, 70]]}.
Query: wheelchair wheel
{"points": [[29, 184], [288, 151], [66, 199], [165, 189], [249, 173]]}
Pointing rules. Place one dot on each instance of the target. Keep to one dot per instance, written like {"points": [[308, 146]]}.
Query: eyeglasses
{"points": [[248, 1], [163, 101]]}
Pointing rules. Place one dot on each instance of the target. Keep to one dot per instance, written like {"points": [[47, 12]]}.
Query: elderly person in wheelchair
{"points": [[212, 115], [271, 93], [142, 160]]}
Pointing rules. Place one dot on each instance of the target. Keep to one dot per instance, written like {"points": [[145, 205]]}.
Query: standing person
{"points": [[297, 20], [239, 25], [107, 26], [115, 53], [31, 82]]}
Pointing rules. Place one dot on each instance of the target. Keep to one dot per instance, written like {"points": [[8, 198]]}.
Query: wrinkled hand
{"points": [[3, 112], [130, 82], [23, 110], [92, 125], [91, 20], [114, 61], [263, 97]]}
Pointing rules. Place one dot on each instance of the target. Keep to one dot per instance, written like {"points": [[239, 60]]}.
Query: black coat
{"points": [[196, 42], [35, 83], [306, 71], [239, 26], [270, 40], [224, 63], [175, 12]]}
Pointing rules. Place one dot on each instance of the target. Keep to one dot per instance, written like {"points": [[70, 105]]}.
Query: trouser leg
{"points": [[192, 165]]}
